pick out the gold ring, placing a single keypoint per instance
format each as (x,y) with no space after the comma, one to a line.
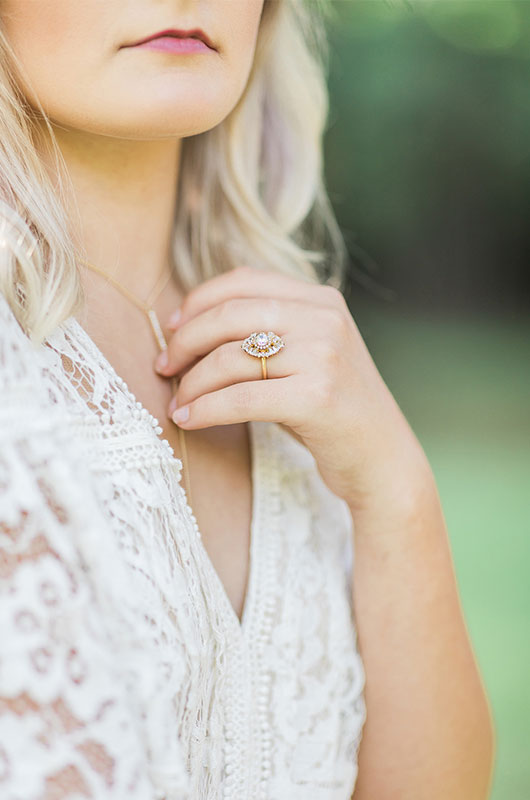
(263,345)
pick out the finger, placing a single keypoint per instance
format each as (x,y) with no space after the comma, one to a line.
(269,400)
(232,320)
(253,282)
(229,364)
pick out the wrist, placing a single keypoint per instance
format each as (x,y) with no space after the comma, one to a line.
(398,489)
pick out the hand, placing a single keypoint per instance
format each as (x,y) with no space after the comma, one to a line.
(322,386)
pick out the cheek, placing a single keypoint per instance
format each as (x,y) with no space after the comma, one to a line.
(49,38)
(242,19)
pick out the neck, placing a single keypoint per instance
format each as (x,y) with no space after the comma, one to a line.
(121,198)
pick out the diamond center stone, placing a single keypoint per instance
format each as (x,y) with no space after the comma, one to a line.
(262,340)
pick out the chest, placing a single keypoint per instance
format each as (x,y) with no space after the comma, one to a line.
(218,467)
(284,685)
(219,471)
(219,457)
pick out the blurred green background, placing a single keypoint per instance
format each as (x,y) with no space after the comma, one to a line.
(428,169)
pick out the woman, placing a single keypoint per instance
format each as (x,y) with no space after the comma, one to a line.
(162,227)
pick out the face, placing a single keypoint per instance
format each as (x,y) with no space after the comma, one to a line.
(84,62)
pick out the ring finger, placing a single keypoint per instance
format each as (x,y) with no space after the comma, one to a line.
(230,320)
(228,364)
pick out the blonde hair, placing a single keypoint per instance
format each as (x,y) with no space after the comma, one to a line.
(250,191)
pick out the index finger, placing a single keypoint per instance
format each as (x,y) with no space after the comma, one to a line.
(247,281)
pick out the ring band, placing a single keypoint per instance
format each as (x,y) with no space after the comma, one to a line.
(263,345)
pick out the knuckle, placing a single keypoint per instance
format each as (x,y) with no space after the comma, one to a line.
(302,413)
(191,302)
(334,295)
(186,306)
(325,351)
(182,391)
(270,308)
(324,390)
(224,358)
(242,270)
(176,345)
(227,309)
(335,320)
(243,399)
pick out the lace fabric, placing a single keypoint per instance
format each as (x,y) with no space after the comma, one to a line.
(124,670)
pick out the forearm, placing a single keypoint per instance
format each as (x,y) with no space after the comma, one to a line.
(428,733)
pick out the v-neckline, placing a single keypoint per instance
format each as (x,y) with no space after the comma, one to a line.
(258,502)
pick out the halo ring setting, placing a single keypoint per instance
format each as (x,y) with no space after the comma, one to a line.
(262,345)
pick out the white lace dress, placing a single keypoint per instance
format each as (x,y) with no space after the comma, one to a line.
(124,670)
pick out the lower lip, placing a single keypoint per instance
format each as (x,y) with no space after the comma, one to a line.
(172,44)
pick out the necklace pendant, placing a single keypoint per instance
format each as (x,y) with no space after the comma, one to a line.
(157,329)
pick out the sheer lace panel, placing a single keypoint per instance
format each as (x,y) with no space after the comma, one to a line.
(124,672)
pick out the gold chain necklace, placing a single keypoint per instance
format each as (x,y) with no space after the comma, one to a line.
(147,307)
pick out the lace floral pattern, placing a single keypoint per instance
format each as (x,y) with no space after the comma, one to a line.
(124,670)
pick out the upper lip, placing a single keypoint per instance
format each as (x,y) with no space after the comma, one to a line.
(194,33)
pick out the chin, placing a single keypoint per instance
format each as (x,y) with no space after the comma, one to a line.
(160,114)
(153,125)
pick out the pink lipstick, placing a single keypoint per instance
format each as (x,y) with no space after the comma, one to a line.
(173,40)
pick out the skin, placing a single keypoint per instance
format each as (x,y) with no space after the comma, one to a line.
(429,732)
(119,116)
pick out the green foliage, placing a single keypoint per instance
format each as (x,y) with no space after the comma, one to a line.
(428,168)
(463,384)
(428,145)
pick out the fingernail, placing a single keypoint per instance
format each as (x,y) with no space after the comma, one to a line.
(175,318)
(161,361)
(181,414)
